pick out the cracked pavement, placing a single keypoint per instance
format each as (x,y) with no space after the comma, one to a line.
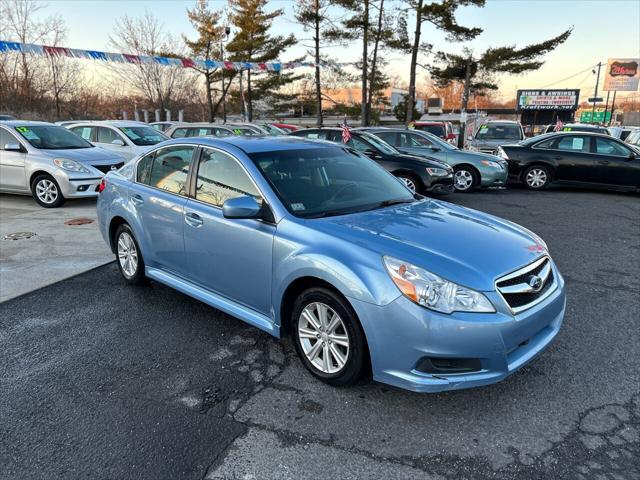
(101,380)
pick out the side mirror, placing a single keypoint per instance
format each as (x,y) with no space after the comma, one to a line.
(632,156)
(118,142)
(241,207)
(13,147)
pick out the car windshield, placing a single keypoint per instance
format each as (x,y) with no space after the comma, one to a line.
(143,136)
(323,182)
(52,137)
(499,132)
(380,144)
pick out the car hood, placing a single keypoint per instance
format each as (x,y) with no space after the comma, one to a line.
(428,162)
(86,155)
(463,245)
(471,156)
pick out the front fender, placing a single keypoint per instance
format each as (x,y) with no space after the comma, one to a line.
(352,269)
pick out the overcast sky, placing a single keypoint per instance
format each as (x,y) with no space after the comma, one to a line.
(603,29)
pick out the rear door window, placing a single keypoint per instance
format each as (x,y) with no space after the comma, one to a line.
(573,143)
(170,169)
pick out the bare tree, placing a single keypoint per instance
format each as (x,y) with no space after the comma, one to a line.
(162,86)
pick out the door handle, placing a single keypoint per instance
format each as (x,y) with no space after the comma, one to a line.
(557,158)
(603,162)
(193,219)
(137,199)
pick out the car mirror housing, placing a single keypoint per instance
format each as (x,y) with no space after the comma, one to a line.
(241,207)
(13,147)
(118,142)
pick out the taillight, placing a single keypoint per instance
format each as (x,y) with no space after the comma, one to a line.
(102,186)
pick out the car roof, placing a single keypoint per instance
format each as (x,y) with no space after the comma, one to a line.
(198,124)
(112,123)
(511,122)
(19,123)
(255,144)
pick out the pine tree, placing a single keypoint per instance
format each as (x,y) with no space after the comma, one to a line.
(253,43)
(208,45)
(312,15)
(441,15)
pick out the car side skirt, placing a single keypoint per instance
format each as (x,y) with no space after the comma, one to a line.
(214,300)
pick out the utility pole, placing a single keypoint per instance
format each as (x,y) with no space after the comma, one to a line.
(595,93)
(463,108)
(613,106)
(227,31)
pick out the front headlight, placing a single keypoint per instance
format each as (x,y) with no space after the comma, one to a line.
(502,154)
(437,172)
(431,291)
(490,163)
(70,165)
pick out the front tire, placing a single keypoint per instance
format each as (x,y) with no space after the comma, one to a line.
(46,191)
(536,177)
(465,179)
(328,337)
(410,182)
(129,257)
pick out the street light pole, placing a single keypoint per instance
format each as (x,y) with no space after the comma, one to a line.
(595,94)
(227,30)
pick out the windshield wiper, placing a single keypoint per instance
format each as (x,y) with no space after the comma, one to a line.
(396,201)
(328,213)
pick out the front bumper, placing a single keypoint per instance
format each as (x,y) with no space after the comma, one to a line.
(80,185)
(439,185)
(401,334)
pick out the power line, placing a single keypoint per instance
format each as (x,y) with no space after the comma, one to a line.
(571,76)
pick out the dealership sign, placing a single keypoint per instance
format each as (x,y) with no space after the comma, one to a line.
(623,74)
(547,100)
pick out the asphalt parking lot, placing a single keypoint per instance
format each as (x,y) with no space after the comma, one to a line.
(101,380)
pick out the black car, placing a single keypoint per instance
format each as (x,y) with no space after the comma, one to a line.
(573,158)
(578,127)
(419,174)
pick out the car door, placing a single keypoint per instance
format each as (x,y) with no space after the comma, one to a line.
(12,164)
(105,136)
(232,257)
(159,197)
(616,164)
(572,158)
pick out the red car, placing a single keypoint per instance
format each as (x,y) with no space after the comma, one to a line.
(287,127)
(443,130)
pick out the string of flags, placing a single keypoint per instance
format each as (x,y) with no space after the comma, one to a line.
(44,50)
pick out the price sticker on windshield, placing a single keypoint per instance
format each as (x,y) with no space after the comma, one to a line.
(296,207)
(27,133)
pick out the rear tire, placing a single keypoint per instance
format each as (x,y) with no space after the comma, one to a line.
(128,256)
(465,179)
(46,191)
(536,177)
(328,337)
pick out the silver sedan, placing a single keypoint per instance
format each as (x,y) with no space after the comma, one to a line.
(50,163)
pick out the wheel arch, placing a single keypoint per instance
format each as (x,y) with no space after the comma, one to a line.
(470,166)
(114,224)
(36,173)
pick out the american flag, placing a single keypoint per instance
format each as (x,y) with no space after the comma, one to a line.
(346,133)
(558,126)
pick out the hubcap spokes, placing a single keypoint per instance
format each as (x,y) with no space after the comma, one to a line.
(536,178)
(47,191)
(127,254)
(463,179)
(323,337)
(409,183)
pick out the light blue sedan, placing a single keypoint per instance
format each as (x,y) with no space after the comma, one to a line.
(317,241)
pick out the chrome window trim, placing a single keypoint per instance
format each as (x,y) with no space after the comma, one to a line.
(522,271)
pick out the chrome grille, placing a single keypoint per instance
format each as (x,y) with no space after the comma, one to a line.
(492,151)
(527,286)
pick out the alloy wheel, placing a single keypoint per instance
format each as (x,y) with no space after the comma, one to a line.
(47,191)
(536,178)
(323,337)
(409,183)
(463,180)
(127,254)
